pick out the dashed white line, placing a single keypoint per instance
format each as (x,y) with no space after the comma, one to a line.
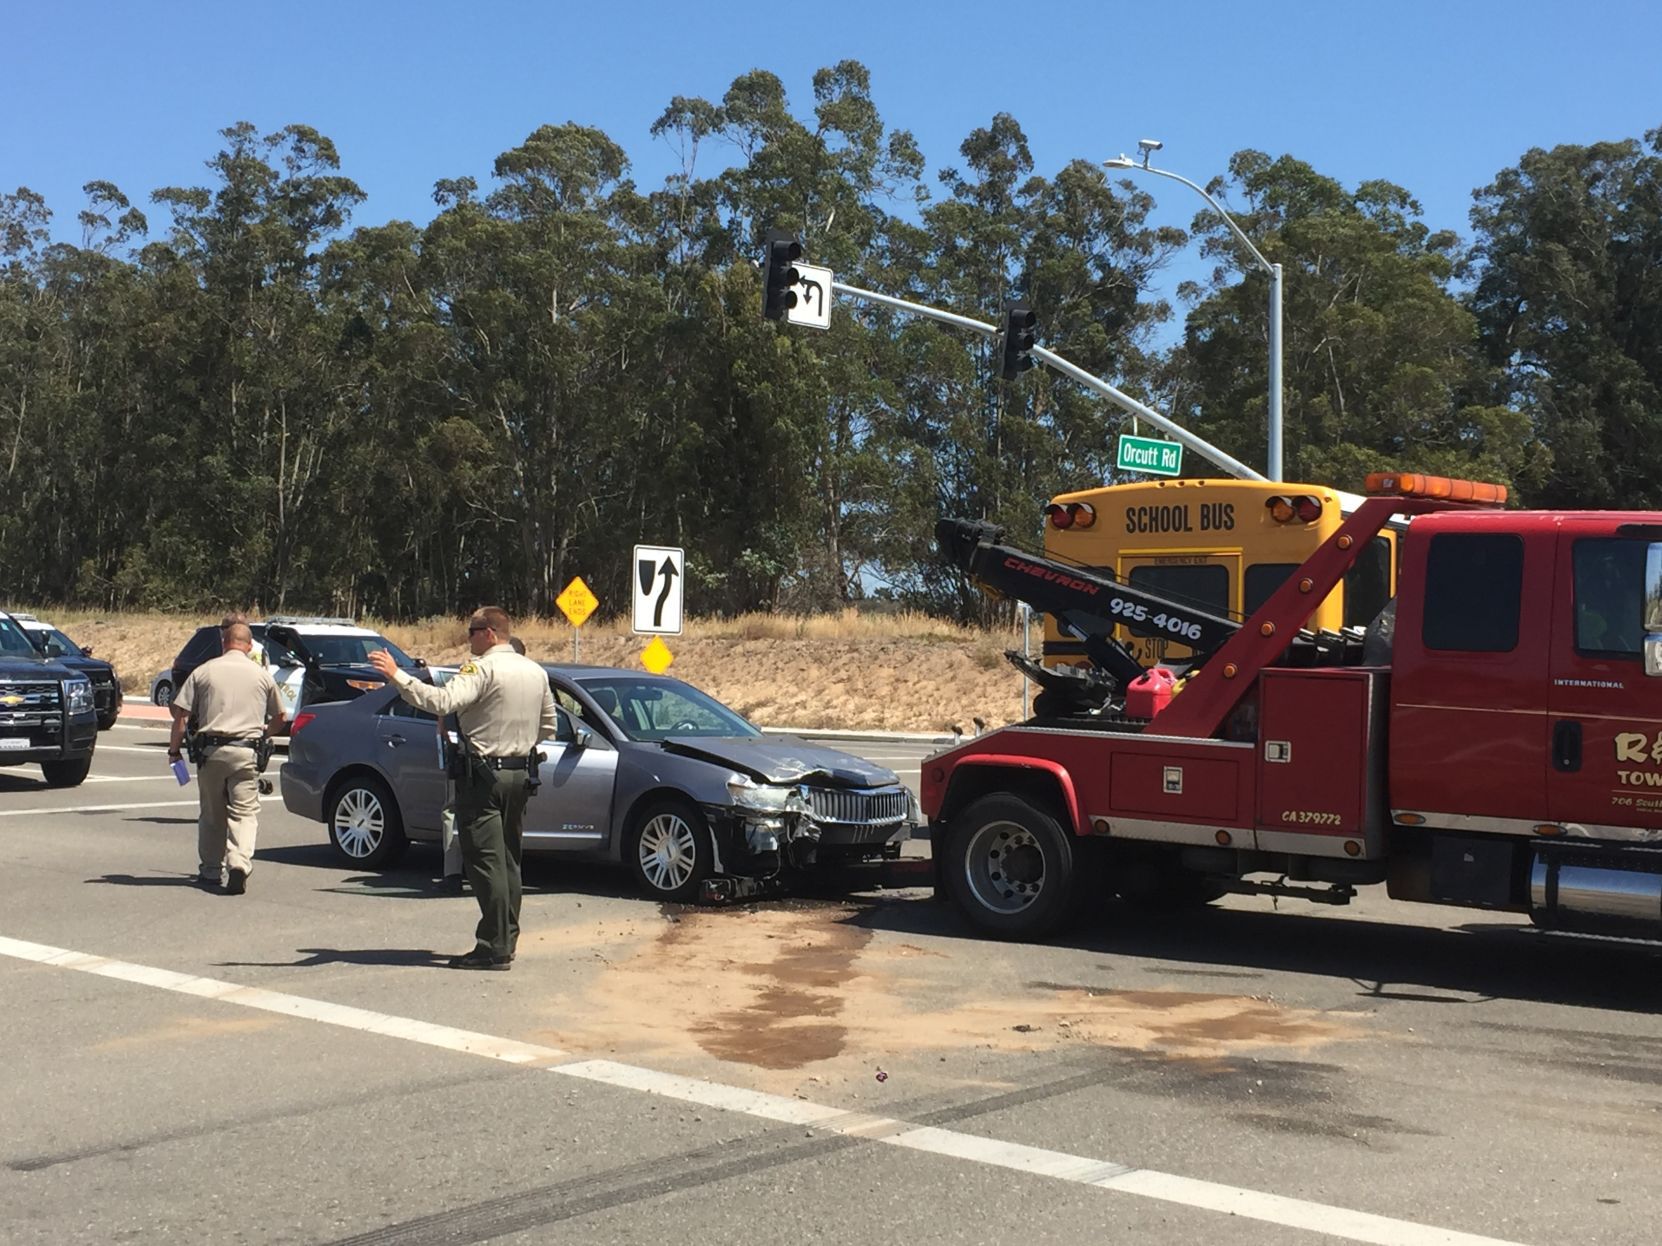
(1324,1218)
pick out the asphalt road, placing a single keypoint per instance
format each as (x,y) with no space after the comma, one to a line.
(294,1065)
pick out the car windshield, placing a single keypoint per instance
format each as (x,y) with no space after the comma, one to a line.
(59,645)
(13,643)
(352,650)
(654,709)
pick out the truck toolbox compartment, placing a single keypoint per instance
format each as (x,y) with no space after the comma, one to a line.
(1320,738)
(1182,785)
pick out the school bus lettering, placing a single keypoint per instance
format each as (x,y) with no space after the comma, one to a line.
(1217,516)
(1178,517)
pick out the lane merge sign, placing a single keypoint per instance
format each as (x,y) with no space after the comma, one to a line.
(660,572)
(1148,454)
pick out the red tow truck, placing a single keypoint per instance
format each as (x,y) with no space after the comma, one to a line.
(1492,740)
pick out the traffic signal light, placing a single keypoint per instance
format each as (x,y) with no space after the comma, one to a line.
(777,295)
(1019,322)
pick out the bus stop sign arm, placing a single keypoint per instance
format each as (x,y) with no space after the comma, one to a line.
(1095,384)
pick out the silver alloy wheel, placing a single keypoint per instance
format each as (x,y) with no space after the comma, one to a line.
(360,822)
(668,852)
(163,694)
(1004,867)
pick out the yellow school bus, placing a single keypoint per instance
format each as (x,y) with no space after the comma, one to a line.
(1223,544)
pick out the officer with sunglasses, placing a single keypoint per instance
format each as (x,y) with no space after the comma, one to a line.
(505,707)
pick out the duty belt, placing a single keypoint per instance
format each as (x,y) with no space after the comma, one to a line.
(219,741)
(505,763)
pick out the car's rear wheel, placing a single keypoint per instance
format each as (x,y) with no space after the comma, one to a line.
(162,693)
(364,822)
(670,850)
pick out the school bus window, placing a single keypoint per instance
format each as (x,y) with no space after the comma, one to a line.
(1368,583)
(1261,581)
(1202,585)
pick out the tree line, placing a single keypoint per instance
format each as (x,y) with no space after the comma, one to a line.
(236,394)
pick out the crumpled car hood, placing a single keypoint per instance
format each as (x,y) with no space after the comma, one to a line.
(784,759)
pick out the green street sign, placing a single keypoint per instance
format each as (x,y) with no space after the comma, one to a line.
(1147,454)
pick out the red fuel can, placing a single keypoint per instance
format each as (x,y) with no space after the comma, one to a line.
(1148,694)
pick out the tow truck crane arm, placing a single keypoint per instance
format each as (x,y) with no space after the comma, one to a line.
(1085,604)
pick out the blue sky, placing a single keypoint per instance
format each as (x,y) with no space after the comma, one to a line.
(1435,96)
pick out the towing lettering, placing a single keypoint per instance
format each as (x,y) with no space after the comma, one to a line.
(1057,577)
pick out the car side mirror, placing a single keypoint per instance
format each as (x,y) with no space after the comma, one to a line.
(86,651)
(581,738)
(1653,654)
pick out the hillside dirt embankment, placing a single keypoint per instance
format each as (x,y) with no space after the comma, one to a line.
(877,672)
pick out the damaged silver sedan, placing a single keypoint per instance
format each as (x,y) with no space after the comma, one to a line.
(647,771)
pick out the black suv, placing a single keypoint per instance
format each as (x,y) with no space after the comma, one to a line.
(47,715)
(52,643)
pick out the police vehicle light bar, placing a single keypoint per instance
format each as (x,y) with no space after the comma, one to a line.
(1415,485)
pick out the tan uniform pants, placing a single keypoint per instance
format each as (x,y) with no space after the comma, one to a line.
(229,799)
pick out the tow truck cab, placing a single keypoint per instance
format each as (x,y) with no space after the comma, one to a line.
(1499,746)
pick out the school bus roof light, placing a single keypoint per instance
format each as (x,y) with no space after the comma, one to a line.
(1417,485)
(1284,508)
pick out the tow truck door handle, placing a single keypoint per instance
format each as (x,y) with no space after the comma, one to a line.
(1566,746)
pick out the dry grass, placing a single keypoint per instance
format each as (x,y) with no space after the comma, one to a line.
(894,672)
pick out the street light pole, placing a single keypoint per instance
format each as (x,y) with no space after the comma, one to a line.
(1149,147)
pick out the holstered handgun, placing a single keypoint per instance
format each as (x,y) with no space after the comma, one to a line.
(194,748)
(533,775)
(262,753)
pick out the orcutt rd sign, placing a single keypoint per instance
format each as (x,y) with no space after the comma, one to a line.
(1147,454)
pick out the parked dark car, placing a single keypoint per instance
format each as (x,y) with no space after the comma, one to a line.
(52,643)
(646,771)
(47,715)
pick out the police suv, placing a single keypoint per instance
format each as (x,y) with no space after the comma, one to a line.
(47,713)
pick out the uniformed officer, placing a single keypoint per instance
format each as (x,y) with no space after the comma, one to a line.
(233,702)
(448,835)
(505,707)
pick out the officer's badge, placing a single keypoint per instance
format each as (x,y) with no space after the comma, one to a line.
(469,668)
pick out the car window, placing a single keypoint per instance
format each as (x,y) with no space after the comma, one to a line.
(59,645)
(353,650)
(398,707)
(658,708)
(13,643)
(575,708)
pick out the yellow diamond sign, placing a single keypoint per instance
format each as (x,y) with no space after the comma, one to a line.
(656,657)
(577,601)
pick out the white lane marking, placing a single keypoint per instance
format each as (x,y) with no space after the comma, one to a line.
(1324,1218)
(130,748)
(153,804)
(129,778)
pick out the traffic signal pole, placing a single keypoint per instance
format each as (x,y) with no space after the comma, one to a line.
(1073,372)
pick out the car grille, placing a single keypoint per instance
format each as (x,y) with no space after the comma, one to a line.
(30,707)
(872,807)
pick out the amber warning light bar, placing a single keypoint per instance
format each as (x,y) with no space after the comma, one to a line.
(1414,485)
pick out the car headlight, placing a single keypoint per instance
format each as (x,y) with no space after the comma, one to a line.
(746,793)
(78,695)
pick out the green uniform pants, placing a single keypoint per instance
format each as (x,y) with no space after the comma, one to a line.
(490,815)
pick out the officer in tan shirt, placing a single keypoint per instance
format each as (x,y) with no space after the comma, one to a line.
(505,707)
(233,703)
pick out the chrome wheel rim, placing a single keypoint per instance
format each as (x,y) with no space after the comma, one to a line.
(164,695)
(1004,867)
(360,822)
(668,852)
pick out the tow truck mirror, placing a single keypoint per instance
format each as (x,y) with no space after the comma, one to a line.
(1653,609)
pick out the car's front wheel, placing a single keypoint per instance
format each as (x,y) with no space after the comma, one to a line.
(364,823)
(66,773)
(670,850)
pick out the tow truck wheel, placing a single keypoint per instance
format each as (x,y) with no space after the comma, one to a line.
(66,773)
(1012,868)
